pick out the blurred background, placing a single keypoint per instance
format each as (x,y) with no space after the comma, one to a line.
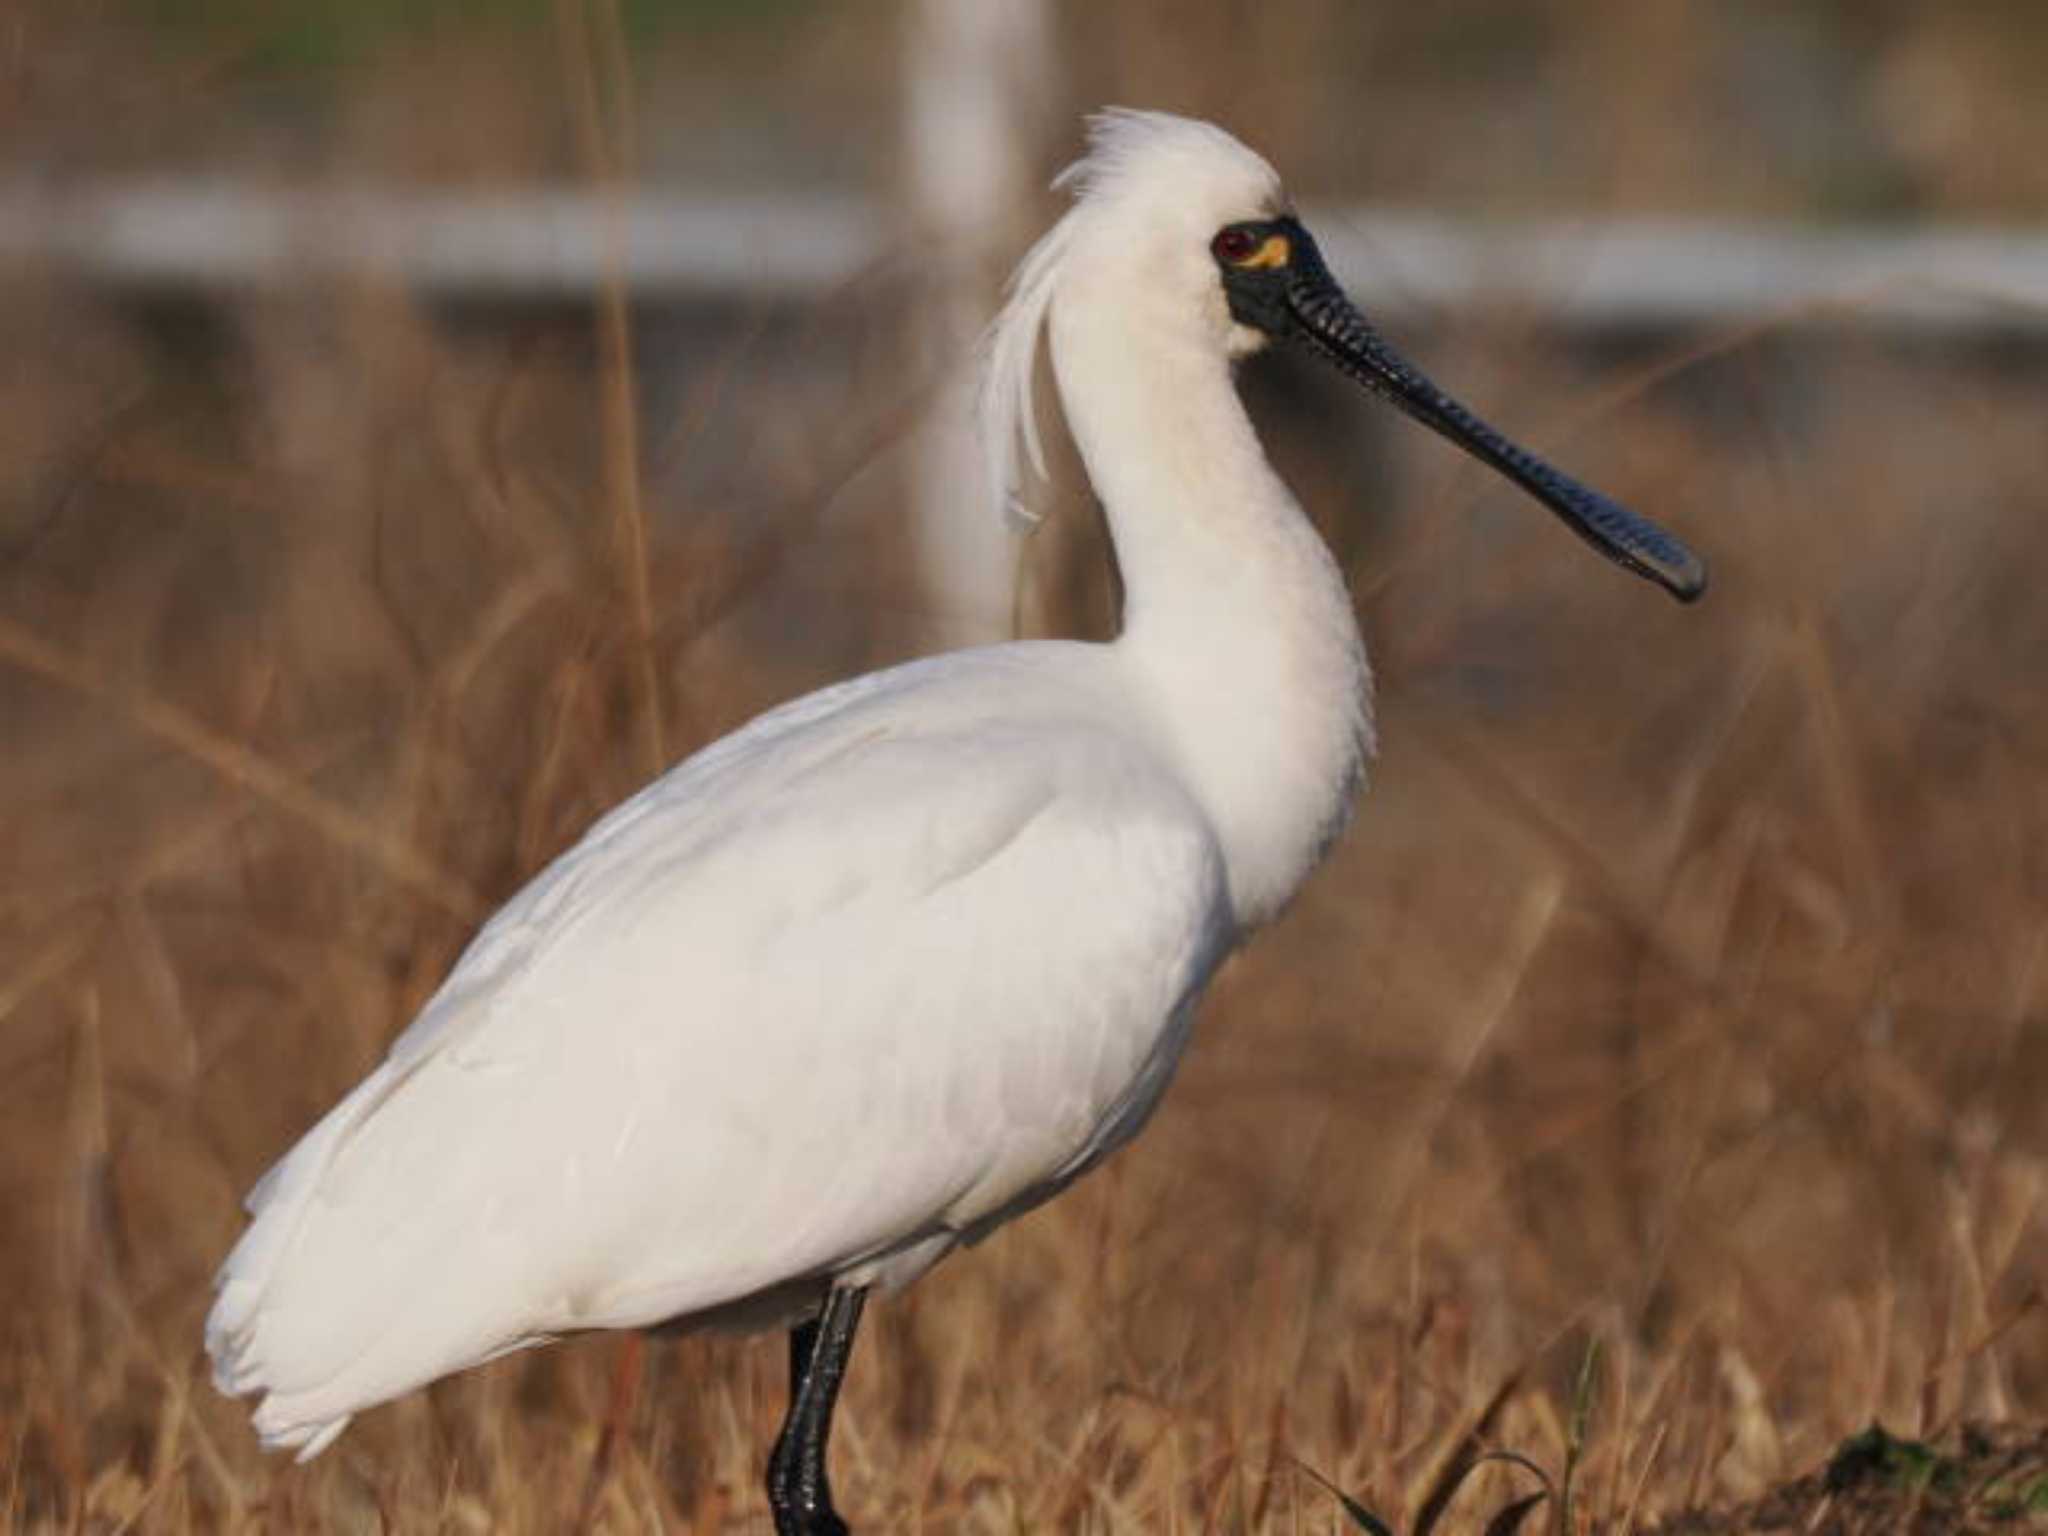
(420,423)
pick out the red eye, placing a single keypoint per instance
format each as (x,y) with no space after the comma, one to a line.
(1234,244)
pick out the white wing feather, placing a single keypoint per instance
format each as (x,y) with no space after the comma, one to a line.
(769,1021)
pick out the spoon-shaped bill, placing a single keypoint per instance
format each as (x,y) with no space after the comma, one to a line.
(1327,321)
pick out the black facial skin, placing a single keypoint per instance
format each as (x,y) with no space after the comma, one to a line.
(1296,300)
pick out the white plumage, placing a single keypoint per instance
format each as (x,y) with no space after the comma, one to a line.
(899,960)
(891,963)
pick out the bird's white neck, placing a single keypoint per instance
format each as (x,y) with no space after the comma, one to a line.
(1236,620)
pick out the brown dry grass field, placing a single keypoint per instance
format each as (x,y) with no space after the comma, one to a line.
(1655,1080)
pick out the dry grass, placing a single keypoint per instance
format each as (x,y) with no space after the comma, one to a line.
(1679,1000)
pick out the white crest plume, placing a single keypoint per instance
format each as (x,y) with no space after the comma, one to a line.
(1006,416)
(1125,148)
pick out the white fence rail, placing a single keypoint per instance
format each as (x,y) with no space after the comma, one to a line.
(553,244)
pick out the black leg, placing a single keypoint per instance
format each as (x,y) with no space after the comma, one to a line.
(803,1342)
(798,1493)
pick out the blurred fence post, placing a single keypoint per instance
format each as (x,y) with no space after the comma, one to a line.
(974,76)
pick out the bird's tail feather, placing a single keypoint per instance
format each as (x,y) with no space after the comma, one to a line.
(278,1205)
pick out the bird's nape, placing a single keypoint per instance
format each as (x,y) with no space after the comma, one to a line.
(1276,282)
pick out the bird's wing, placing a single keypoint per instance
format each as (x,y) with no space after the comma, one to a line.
(870,975)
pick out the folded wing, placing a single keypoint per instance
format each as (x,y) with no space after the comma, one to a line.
(777,1018)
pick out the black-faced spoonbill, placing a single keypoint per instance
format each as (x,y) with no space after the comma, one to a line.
(900,960)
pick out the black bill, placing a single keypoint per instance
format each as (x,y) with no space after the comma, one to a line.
(1300,300)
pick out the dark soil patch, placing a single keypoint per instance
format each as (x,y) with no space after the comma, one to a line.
(1980,1478)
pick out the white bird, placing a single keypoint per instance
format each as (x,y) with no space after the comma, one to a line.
(901,959)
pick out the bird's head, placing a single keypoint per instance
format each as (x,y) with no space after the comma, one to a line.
(1179,217)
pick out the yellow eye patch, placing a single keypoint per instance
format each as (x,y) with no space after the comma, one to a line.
(1274,251)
